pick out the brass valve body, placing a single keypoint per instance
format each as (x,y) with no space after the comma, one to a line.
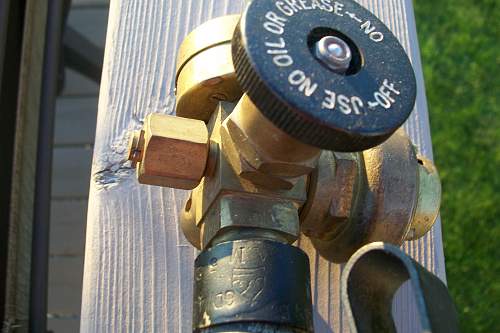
(263,154)
(225,200)
(205,72)
(386,193)
(255,181)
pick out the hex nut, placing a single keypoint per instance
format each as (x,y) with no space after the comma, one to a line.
(332,190)
(253,214)
(346,176)
(262,162)
(174,152)
(275,153)
(243,169)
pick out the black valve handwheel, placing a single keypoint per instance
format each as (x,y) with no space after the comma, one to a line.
(275,53)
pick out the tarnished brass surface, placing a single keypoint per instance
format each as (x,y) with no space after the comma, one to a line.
(259,150)
(205,71)
(244,170)
(428,200)
(238,211)
(255,188)
(347,200)
(216,205)
(170,151)
(319,197)
(347,186)
(392,183)
(332,190)
(374,196)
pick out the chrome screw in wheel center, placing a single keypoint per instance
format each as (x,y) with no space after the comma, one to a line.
(334,52)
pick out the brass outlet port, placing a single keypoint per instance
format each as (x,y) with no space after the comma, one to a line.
(170,151)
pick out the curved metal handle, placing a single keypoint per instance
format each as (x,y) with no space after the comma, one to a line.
(371,278)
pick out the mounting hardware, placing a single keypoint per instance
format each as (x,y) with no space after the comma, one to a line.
(334,52)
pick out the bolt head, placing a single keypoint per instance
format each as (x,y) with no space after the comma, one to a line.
(334,52)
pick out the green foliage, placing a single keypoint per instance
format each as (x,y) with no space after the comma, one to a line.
(459,41)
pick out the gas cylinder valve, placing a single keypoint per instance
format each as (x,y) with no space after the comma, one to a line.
(288,122)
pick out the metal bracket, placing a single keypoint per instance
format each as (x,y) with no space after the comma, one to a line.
(370,280)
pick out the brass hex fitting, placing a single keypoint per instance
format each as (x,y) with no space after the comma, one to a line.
(243,169)
(229,212)
(333,187)
(264,151)
(382,194)
(170,151)
(225,201)
(346,185)
(205,71)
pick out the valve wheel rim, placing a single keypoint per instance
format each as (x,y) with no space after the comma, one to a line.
(277,69)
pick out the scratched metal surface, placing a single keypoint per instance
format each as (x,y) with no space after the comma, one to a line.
(138,266)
